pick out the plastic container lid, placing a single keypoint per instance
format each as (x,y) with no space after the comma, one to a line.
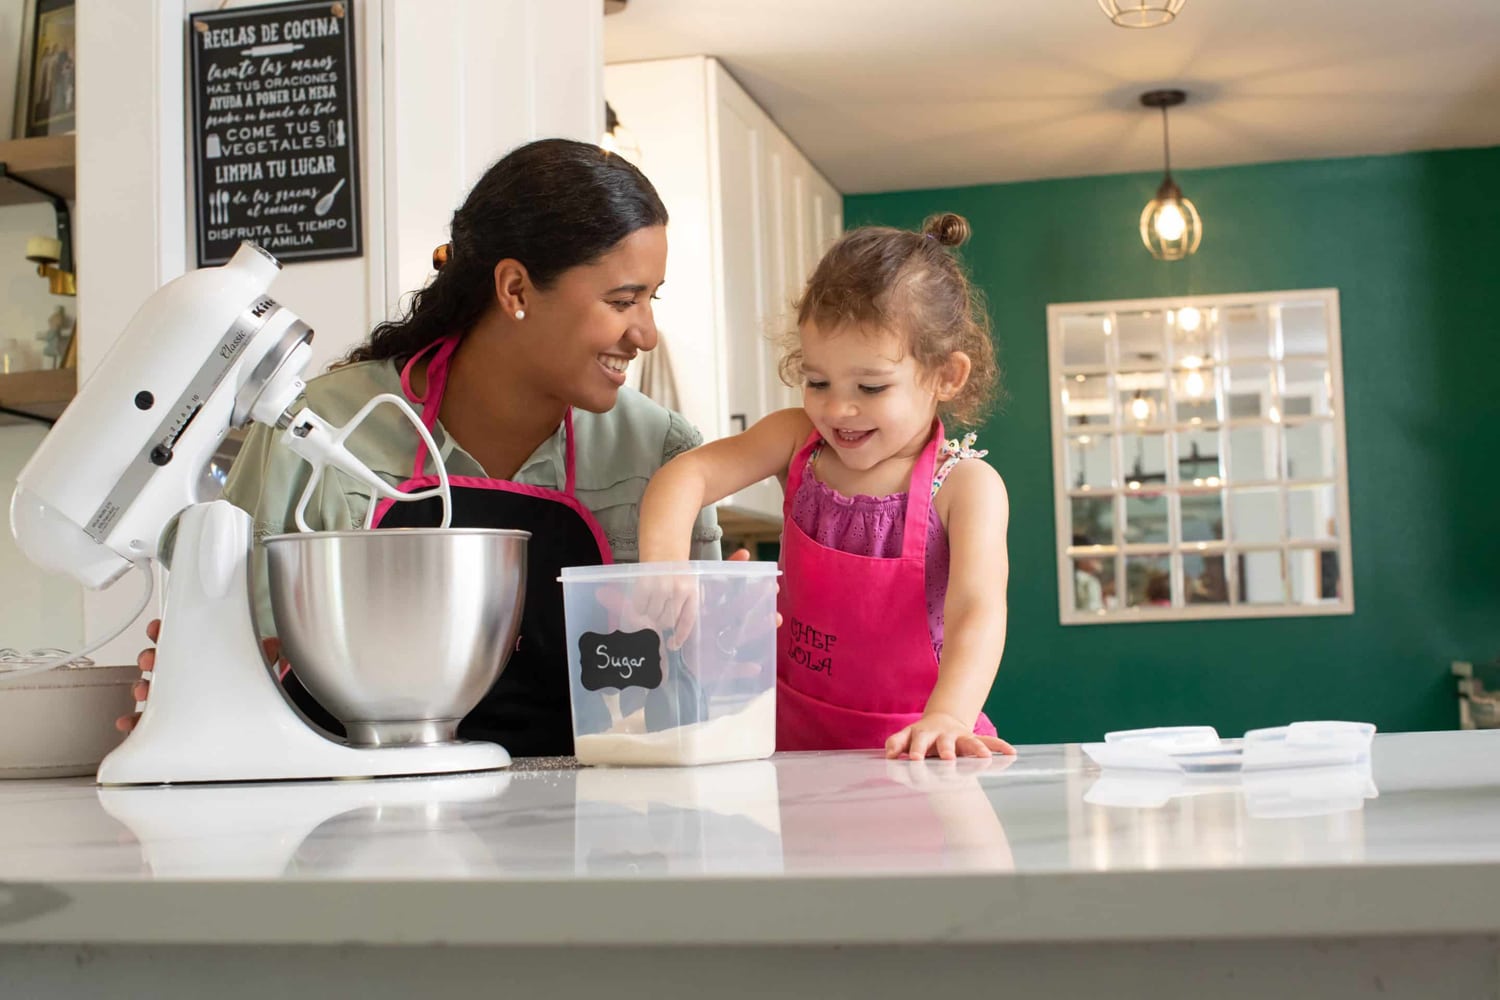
(1198,749)
(1308,744)
(1166,748)
(695,567)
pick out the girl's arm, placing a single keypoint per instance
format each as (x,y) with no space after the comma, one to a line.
(708,474)
(974,618)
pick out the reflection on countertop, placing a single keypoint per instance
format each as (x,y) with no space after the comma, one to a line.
(849,814)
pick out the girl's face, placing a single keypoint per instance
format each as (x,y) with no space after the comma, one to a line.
(581,334)
(866,395)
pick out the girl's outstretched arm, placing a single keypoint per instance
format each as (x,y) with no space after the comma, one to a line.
(974,618)
(708,474)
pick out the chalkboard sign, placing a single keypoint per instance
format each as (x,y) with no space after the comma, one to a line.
(275,136)
(620,660)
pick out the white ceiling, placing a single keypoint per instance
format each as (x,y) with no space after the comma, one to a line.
(895,94)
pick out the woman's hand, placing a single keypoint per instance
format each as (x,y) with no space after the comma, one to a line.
(941,735)
(141,690)
(146,660)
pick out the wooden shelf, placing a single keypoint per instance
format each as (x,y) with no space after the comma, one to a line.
(46,161)
(44,393)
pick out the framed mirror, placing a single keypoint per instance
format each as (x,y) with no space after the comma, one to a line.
(1199,458)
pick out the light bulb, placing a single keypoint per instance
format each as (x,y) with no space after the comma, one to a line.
(1194,384)
(1140,409)
(1189,319)
(1170,225)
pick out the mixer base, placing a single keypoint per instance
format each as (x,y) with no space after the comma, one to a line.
(216,712)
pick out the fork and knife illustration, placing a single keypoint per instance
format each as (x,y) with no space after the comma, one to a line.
(218,208)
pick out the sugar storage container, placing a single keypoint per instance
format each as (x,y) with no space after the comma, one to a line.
(672,663)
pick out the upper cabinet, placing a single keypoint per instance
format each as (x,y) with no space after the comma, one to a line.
(750,217)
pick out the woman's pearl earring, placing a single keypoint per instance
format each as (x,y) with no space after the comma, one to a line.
(520,314)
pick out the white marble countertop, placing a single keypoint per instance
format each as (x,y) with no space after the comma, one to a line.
(808,848)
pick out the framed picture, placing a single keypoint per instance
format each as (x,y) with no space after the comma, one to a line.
(46,93)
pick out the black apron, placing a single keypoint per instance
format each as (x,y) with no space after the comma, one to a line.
(527,709)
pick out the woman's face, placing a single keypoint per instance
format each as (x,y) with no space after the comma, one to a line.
(581,334)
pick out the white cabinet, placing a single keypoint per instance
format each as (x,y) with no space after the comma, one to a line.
(750,216)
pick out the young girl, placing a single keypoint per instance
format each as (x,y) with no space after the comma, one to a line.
(894,536)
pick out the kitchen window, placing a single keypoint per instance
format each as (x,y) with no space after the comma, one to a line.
(1198,458)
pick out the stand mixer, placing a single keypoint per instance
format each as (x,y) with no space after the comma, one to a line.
(208,352)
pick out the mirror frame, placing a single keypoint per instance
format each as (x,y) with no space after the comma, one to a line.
(1164,420)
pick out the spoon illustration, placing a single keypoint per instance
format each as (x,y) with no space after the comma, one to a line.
(326,202)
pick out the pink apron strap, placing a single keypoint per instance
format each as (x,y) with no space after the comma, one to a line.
(437,382)
(411,363)
(432,404)
(568,466)
(919,497)
(798,468)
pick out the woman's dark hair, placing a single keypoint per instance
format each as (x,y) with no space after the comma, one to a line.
(553,205)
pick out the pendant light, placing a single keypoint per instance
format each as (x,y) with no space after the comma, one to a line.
(1141,407)
(1170,226)
(1141,13)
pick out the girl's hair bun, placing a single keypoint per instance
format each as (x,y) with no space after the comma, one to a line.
(948,228)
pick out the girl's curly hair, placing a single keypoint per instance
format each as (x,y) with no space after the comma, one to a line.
(882,278)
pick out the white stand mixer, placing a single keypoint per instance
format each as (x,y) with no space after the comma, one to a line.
(206,353)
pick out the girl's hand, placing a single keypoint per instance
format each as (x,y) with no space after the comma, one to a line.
(146,660)
(668,605)
(941,735)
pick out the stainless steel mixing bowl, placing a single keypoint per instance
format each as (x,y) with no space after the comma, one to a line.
(398,632)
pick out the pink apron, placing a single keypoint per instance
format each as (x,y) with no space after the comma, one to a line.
(854,659)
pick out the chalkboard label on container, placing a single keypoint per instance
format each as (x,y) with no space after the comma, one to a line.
(275,136)
(620,660)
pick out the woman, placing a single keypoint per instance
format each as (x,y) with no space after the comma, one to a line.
(515,356)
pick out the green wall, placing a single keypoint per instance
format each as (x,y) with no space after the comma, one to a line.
(1412,243)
